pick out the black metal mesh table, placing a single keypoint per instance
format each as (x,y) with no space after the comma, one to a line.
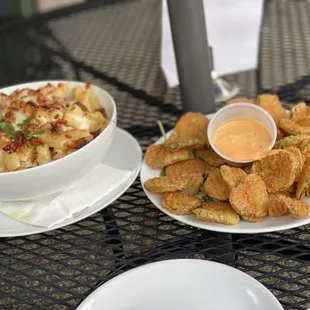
(115,44)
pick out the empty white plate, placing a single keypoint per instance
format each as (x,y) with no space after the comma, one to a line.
(182,284)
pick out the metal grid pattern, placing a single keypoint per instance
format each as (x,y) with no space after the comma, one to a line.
(116,45)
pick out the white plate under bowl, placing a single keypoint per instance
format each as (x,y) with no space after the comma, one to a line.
(270,224)
(123,143)
(182,284)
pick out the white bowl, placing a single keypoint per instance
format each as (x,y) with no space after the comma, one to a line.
(60,174)
(236,110)
(182,284)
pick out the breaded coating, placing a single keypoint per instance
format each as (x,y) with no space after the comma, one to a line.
(232,176)
(303,183)
(290,127)
(276,204)
(194,182)
(304,122)
(180,203)
(277,169)
(175,142)
(305,144)
(210,157)
(193,125)
(253,219)
(298,112)
(241,99)
(158,156)
(291,141)
(249,197)
(186,167)
(165,184)
(215,186)
(272,104)
(300,161)
(217,212)
(297,208)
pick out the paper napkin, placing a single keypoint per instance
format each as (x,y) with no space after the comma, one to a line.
(48,211)
(233,28)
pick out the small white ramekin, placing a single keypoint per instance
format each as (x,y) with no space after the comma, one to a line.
(237,110)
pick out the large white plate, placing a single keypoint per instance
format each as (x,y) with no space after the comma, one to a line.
(124,153)
(182,284)
(268,225)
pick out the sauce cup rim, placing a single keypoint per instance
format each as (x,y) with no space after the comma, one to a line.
(233,106)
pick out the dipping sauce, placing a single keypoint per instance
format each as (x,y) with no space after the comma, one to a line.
(243,138)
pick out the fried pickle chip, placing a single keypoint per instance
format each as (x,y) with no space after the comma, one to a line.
(300,161)
(187,167)
(303,183)
(304,122)
(215,187)
(180,203)
(249,197)
(297,208)
(241,99)
(305,143)
(193,125)
(291,141)
(272,105)
(232,176)
(298,112)
(289,126)
(217,212)
(253,219)
(276,204)
(165,184)
(210,157)
(175,142)
(194,182)
(277,169)
(306,153)
(158,156)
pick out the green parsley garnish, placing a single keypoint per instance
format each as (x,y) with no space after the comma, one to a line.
(162,129)
(10,130)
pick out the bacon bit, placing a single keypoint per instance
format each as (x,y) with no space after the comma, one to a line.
(88,85)
(16,144)
(34,156)
(81,105)
(103,112)
(56,125)
(77,144)
(10,117)
(96,133)
(34,141)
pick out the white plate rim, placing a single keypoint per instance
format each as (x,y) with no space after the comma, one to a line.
(255,228)
(117,193)
(203,263)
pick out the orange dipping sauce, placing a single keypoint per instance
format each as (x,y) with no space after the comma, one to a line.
(243,138)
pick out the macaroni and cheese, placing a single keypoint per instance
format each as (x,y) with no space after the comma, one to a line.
(43,125)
